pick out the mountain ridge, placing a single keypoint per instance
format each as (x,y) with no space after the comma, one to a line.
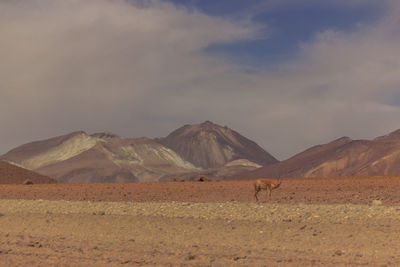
(341,157)
(106,157)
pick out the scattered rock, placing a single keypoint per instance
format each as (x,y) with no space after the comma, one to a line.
(212,259)
(201,178)
(338,253)
(178,179)
(27,181)
(376,202)
(34,244)
(236,258)
(190,257)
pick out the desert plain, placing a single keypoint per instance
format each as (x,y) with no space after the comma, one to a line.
(346,221)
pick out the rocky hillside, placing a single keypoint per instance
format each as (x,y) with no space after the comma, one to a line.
(209,145)
(206,148)
(79,157)
(10,174)
(342,157)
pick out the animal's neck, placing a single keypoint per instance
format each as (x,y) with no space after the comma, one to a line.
(276,185)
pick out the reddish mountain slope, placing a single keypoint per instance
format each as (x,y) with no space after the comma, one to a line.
(342,157)
(10,174)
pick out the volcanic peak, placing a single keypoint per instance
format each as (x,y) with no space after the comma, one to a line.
(209,145)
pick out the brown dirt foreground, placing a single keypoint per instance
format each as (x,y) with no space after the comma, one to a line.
(307,222)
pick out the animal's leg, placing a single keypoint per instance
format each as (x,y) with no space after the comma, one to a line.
(256,193)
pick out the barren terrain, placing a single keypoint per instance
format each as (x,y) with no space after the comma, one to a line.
(307,222)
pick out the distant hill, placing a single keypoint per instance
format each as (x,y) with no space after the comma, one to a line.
(208,145)
(81,158)
(10,174)
(342,157)
(205,148)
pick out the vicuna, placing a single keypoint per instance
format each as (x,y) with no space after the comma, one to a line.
(265,184)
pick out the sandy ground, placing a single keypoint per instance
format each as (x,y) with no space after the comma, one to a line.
(307,222)
(355,190)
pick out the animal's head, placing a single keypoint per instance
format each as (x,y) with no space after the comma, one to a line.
(278,184)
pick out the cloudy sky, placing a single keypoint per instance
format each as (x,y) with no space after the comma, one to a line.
(287,74)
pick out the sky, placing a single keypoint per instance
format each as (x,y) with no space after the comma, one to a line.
(287,74)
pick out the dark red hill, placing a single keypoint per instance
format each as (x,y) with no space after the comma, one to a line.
(10,174)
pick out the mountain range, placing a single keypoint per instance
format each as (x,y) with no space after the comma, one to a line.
(78,157)
(341,157)
(205,149)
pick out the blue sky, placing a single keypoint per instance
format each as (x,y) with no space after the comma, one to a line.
(286,25)
(287,74)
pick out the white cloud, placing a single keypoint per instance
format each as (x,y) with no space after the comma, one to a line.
(140,69)
(103,64)
(341,84)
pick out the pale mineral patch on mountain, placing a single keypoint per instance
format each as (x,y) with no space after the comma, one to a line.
(68,149)
(242,162)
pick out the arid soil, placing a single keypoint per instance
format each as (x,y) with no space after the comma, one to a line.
(330,221)
(354,190)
